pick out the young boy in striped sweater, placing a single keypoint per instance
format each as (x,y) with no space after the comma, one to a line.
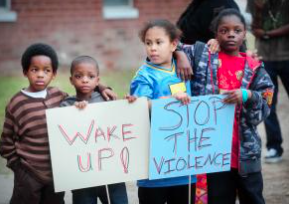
(24,140)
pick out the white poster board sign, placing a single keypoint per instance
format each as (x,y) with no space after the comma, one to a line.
(104,143)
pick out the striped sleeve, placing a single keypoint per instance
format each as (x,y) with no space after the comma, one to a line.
(7,140)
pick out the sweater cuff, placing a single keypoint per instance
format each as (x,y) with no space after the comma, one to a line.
(253,98)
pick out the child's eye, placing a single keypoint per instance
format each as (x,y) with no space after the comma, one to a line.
(223,31)
(47,71)
(34,70)
(77,76)
(148,43)
(238,31)
(92,77)
(159,42)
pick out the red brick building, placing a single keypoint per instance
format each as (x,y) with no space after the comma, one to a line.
(104,29)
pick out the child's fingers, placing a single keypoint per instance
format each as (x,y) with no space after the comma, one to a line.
(81,105)
(183,97)
(233,98)
(106,97)
(229,96)
(213,49)
(187,100)
(127,96)
(228,99)
(109,95)
(182,74)
(188,74)
(113,96)
(84,104)
(226,92)
(185,73)
(130,98)
(179,73)
(213,45)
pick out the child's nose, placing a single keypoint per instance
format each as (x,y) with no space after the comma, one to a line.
(40,74)
(232,34)
(85,79)
(154,46)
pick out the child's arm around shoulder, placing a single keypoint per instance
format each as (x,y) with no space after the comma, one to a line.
(186,54)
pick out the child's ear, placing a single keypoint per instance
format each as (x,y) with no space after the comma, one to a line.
(70,79)
(25,73)
(54,75)
(244,36)
(98,79)
(174,45)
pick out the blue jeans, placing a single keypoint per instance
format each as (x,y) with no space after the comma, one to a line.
(272,126)
(117,194)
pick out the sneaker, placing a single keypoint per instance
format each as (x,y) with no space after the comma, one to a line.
(272,156)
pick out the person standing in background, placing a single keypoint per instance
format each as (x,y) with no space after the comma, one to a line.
(196,20)
(270,26)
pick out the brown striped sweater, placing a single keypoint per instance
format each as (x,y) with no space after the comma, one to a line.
(24,138)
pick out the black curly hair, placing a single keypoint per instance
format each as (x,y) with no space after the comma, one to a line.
(39,49)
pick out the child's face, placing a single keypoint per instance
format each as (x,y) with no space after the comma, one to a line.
(231,34)
(159,47)
(39,73)
(85,79)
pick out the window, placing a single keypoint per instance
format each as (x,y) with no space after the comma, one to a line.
(6,15)
(119,9)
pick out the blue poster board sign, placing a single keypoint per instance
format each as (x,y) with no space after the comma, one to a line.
(190,139)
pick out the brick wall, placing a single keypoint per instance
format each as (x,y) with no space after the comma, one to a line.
(76,27)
